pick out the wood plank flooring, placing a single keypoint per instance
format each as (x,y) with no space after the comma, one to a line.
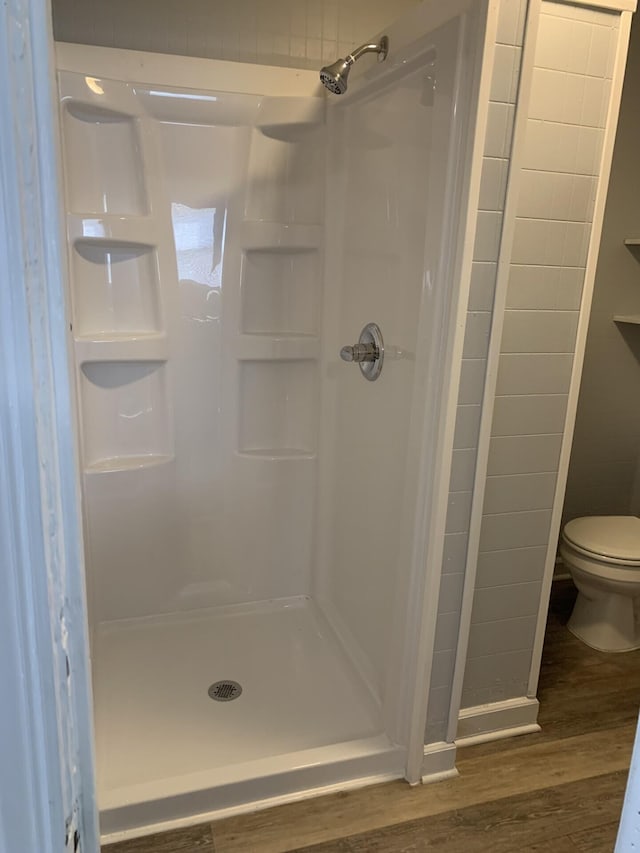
(558,790)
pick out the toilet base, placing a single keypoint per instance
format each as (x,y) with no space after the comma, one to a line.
(605,621)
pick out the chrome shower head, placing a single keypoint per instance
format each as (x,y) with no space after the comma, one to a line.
(334,77)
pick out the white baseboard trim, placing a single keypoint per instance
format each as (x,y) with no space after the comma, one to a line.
(497,720)
(439,762)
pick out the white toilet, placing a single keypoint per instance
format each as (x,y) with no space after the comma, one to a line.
(603,555)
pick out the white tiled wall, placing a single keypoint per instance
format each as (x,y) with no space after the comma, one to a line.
(570,94)
(504,85)
(297,33)
(603,474)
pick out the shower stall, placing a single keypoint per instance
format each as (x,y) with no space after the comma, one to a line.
(263,524)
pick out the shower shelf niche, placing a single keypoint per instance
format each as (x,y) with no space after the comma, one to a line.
(277,417)
(280,291)
(105,148)
(116,290)
(633,244)
(124,414)
(283,175)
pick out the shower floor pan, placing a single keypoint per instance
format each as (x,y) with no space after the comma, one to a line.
(169,755)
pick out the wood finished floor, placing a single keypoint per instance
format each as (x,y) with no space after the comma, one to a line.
(559,790)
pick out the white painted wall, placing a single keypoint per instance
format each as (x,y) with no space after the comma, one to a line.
(296,33)
(603,473)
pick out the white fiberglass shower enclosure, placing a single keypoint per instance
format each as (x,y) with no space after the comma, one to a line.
(255,510)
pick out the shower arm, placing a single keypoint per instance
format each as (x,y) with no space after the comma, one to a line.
(381,49)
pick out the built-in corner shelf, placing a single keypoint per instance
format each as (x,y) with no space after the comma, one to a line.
(286,118)
(129,347)
(633,244)
(95,229)
(633,319)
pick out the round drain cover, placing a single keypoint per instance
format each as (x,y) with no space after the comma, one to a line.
(224,691)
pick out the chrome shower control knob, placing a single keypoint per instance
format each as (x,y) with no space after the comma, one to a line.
(346,353)
(368,353)
(359,353)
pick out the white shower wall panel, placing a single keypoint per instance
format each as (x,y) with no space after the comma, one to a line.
(198,391)
(387,244)
(376,242)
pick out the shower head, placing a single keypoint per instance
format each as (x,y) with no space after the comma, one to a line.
(334,77)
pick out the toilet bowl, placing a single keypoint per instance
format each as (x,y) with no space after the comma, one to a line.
(602,553)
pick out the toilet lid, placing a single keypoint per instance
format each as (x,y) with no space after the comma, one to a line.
(612,537)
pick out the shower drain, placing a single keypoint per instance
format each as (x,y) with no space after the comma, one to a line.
(224,691)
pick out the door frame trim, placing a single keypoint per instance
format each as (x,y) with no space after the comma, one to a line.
(49,774)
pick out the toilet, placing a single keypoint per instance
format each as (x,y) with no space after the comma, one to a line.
(602,554)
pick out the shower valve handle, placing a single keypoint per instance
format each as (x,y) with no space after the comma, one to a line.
(368,353)
(360,353)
